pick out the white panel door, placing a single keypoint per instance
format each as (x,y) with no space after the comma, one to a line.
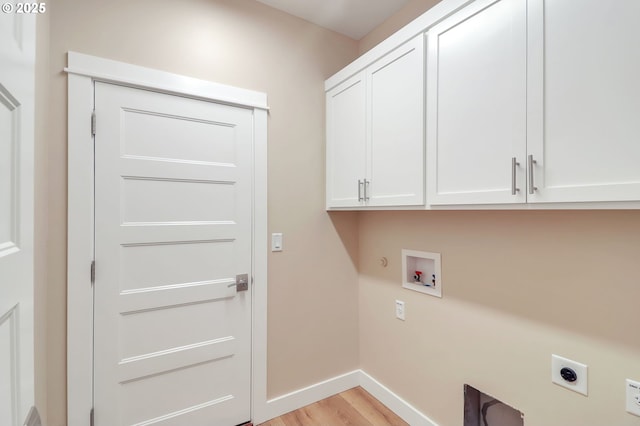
(346,143)
(17,64)
(585,100)
(173,217)
(396,154)
(476,90)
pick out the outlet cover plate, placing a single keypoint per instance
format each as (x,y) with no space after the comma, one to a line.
(633,397)
(558,363)
(400,309)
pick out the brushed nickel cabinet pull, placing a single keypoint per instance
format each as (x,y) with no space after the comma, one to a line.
(366,189)
(514,165)
(532,187)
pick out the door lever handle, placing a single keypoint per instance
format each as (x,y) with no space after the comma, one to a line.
(242,282)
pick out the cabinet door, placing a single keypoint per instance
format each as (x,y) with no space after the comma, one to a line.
(396,131)
(585,100)
(476,107)
(346,143)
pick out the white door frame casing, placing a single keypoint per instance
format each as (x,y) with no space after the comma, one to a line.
(83,71)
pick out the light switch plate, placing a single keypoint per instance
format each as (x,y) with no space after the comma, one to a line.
(633,397)
(276,241)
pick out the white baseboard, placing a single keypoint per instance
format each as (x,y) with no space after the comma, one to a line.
(402,408)
(314,393)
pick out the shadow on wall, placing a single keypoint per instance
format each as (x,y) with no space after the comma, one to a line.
(576,270)
(346,226)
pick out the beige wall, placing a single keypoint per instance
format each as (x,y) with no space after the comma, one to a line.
(312,330)
(517,287)
(411,10)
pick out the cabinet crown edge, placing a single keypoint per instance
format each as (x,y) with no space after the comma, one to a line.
(419,25)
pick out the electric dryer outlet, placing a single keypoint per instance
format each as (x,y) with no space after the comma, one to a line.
(569,374)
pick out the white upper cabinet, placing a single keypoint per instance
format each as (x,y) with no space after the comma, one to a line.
(396,110)
(534,101)
(584,100)
(375,133)
(476,105)
(346,142)
(529,104)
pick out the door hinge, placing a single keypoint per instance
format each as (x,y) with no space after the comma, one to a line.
(93,123)
(91,417)
(93,272)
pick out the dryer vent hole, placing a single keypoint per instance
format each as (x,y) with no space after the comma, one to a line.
(481,409)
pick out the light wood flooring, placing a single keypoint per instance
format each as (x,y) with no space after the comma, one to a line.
(355,407)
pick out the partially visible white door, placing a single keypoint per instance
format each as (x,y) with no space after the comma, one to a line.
(476,112)
(584,100)
(173,217)
(17,64)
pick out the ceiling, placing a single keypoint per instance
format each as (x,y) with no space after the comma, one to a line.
(353,18)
